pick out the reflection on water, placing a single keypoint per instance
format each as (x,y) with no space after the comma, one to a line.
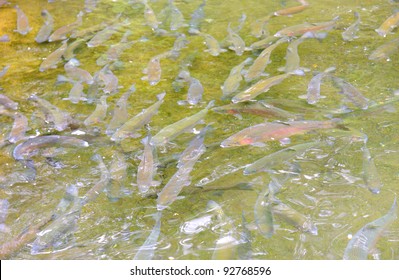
(93,91)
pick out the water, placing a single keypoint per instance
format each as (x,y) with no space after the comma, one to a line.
(326,184)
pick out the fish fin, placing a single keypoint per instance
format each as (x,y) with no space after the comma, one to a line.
(182,102)
(285,141)
(303,96)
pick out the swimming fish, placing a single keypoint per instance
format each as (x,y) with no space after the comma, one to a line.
(30,147)
(147,250)
(259,108)
(212,44)
(232,83)
(258,27)
(196,19)
(19,128)
(291,10)
(100,185)
(351,93)
(120,114)
(108,79)
(370,174)
(263,213)
(23,27)
(62,32)
(293,217)
(177,19)
(238,44)
(350,33)
(153,71)
(71,48)
(147,168)
(114,51)
(313,92)
(181,178)
(118,174)
(388,25)
(260,87)
(59,118)
(300,29)
(8,103)
(77,74)
(100,37)
(384,51)
(46,29)
(173,130)
(195,89)
(267,163)
(99,113)
(270,131)
(54,58)
(150,17)
(137,122)
(367,237)
(263,59)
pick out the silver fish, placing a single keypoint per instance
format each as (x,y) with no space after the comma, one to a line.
(212,44)
(153,71)
(313,92)
(118,173)
(99,113)
(120,114)
(77,74)
(62,32)
(108,79)
(147,168)
(102,36)
(23,27)
(46,29)
(181,178)
(137,122)
(238,44)
(171,131)
(232,83)
(19,128)
(70,50)
(196,18)
(59,118)
(366,238)
(101,184)
(370,173)
(350,33)
(8,103)
(263,213)
(54,58)
(147,250)
(150,17)
(351,93)
(116,50)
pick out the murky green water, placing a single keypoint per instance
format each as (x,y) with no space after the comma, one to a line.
(327,185)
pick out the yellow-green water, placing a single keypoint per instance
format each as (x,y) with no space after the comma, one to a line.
(116,230)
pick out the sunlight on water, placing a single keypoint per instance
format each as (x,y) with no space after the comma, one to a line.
(78,180)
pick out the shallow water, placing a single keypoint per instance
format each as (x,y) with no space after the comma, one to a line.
(326,186)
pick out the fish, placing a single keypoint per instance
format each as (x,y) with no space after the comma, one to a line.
(4,206)
(23,27)
(260,87)
(147,168)
(263,214)
(267,163)
(108,79)
(71,48)
(4,38)
(100,185)
(54,58)
(181,178)
(99,113)
(177,19)
(350,33)
(313,90)
(90,5)
(76,92)
(129,128)
(388,25)
(300,29)
(173,130)
(259,108)
(264,43)
(270,131)
(100,37)
(89,31)
(225,247)
(116,50)
(77,74)
(118,174)
(364,241)
(19,128)
(292,59)
(212,44)
(351,93)
(238,44)
(46,29)
(120,114)
(258,27)
(62,32)
(8,103)
(263,59)
(244,248)
(195,90)
(31,146)
(196,19)
(232,83)
(147,250)
(291,10)
(293,217)
(370,174)
(150,17)
(63,223)
(59,118)
(384,51)
(153,71)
